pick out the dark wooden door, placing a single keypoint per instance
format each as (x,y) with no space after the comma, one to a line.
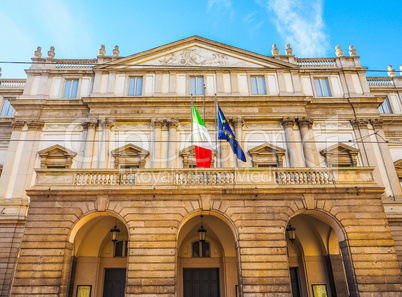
(294,278)
(115,282)
(201,282)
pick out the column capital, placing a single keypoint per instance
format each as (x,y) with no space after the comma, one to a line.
(157,123)
(359,123)
(90,123)
(17,124)
(288,122)
(108,123)
(238,122)
(35,125)
(173,123)
(305,122)
(377,123)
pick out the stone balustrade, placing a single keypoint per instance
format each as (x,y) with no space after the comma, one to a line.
(75,64)
(215,177)
(316,62)
(380,82)
(12,83)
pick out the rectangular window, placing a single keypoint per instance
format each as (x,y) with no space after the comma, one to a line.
(70,88)
(7,110)
(197,85)
(322,87)
(385,107)
(258,85)
(135,86)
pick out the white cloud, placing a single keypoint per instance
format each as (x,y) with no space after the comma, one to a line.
(226,4)
(300,23)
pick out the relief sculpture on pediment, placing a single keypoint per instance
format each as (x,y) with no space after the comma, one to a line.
(193,57)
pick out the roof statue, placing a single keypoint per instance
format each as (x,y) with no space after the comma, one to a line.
(102,51)
(50,53)
(339,51)
(289,50)
(38,52)
(352,51)
(275,50)
(116,51)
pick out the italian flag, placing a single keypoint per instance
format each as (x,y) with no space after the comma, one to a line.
(202,141)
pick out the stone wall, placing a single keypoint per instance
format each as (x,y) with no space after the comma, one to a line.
(259,220)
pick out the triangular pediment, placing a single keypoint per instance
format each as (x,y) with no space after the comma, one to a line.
(197,52)
(130,150)
(398,164)
(266,148)
(56,150)
(339,149)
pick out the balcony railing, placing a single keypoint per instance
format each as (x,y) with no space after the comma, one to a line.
(12,83)
(316,62)
(380,82)
(214,177)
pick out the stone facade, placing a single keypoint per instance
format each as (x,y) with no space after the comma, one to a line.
(98,143)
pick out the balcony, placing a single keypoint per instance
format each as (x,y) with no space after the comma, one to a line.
(214,178)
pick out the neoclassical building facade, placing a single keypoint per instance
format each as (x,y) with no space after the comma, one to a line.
(91,149)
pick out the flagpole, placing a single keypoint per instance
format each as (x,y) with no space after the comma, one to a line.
(216,132)
(191,135)
(203,104)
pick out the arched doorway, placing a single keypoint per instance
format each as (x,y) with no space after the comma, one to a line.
(319,263)
(98,264)
(206,268)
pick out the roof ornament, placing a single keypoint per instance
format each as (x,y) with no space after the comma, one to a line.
(289,50)
(391,71)
(339,51)
(38,52)
(102,51)
(116,51)
(0,72)
(400,67)
(50,53)
(352,51)
(275,50)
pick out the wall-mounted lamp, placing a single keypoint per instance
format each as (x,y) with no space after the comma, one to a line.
(202,233)
(114,233)
(291,233)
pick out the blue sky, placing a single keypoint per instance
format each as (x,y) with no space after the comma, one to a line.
(77,28)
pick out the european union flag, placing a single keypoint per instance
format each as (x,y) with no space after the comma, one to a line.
(226,133)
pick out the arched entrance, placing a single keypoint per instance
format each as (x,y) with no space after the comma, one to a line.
(206,268)
(319,260)
(98,264)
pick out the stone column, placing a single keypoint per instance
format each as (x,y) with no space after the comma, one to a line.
(173,156)
(288,123)
(307,137)
(31,150)
(387,159)
(238,123)
(157,125)
(105,144)
(366,148)
(164,144)
(10,162)
(91,125)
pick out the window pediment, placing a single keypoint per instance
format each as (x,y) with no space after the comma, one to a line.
(398,168)
(340,154)
(56,156)
(129,156)
(267,155)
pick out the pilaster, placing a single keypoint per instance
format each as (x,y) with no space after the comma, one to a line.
(307,136)
(288,123)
